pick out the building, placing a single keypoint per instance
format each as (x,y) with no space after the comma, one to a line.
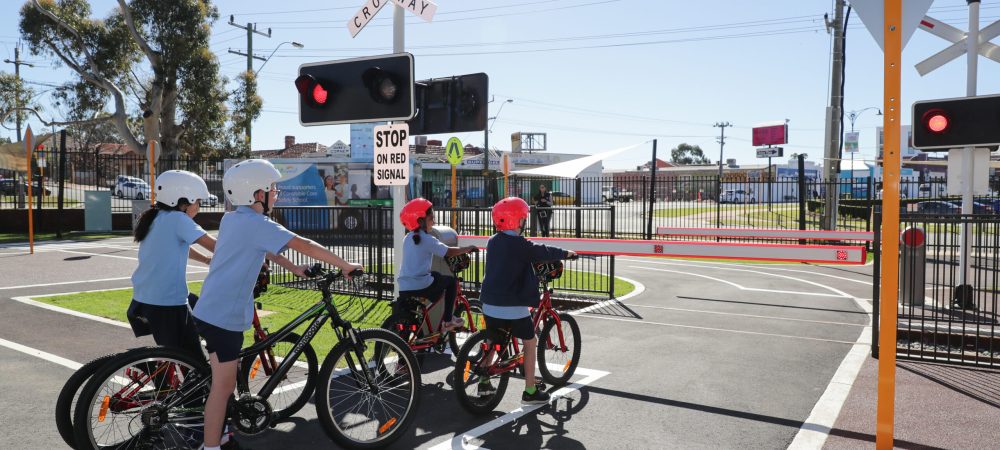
(293,150)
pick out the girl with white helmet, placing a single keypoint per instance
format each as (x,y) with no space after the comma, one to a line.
(165,233)
(225,309)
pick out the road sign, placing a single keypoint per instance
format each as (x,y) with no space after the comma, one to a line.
(392,155)
(425,9)
(872,14)
(455,151)
(364,15)
(851,141)
(958,47)
(770,152)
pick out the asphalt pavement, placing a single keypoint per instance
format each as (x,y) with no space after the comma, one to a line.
(708,355)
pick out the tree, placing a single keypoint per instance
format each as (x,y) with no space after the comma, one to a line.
(154,51)
(246,107)
(13,94)
(687,154)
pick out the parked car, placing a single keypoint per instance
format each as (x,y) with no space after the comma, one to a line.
(924,190)
(122,179)
(938,207)
(737,196)
(212,200)
(137,190)
(611,194)
(9,187)
(562,198)
(991,202)
(977,207)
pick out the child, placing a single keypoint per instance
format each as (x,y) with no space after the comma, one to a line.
(510,288)
(419,247)
(225,309)
(165,233)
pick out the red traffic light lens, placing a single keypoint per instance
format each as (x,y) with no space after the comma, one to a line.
(319,95)
(936,121)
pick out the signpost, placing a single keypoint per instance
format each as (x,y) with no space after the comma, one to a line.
(770,152)
(153,152)
(455,153)
(505,164)
(28,138)
(392,155)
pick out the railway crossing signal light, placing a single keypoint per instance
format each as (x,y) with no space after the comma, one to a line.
(955,123)
(369,89)
(451,104)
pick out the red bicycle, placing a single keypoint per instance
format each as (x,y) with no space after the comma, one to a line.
(418,319)
(558,351)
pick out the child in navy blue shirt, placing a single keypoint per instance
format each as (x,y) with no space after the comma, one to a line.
(510,288)
(419,249)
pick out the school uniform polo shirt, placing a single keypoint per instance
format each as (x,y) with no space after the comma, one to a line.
(245,238)
(415,271)
(160,279)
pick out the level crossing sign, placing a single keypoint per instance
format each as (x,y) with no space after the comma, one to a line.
(392,154)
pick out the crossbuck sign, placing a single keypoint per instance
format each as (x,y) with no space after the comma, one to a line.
(425,9)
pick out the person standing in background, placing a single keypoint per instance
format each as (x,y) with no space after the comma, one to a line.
(543,203)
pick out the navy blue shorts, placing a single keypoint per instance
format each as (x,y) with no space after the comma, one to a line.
(522,328)
(224,343)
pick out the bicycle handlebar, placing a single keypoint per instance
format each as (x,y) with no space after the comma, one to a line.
(317,270)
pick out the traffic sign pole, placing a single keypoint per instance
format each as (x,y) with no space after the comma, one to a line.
(28,138)
(889,294)
(972,58)
(455,153)
(398,195)
(152,173)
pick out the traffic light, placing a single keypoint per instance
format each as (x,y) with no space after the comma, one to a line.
(956,123)
(369,89)
(451,105)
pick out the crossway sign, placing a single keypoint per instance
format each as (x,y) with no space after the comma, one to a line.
(425,9)
(392,155)
(958,47)
(455,151)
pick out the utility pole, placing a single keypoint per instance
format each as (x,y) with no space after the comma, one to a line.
(251,28)
(722,144)
(18,62)
(834,117)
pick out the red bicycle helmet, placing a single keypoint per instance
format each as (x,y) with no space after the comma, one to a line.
(507,213)
(413,211)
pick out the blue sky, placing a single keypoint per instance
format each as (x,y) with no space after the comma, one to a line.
(595,74)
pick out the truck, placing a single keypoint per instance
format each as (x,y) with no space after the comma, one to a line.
(610,194)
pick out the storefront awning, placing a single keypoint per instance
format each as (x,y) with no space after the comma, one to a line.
(573,167)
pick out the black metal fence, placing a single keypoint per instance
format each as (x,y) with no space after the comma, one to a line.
(364,235)
(938,318)
(71,175)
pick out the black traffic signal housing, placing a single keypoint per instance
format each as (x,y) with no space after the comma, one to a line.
(451,104)
(957,122)
(368,89)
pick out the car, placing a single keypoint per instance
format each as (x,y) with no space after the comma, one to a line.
(611,194)
(737,196)
(938,207)
(977,207)
(562,198)
(122,179)
(212,200)
(925,190)
(132,189)
(8,186)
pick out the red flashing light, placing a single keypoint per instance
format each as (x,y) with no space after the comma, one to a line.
(913,237)
(936,121)
(319,94)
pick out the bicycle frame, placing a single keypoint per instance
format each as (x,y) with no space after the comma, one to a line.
(433,339)
(538,314)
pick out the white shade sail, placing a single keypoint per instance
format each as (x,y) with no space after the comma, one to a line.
(573,167)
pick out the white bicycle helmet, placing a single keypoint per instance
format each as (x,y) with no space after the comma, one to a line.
(247,177)
(173,185)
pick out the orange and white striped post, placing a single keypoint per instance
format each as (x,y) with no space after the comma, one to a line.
(885,409)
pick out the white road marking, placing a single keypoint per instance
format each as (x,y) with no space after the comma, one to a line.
(701,311)
(639,289)
(744,288)
(29,301)
(694,327)
(760,267)
(40,354)
(462,440)
(200,270)
(734,269)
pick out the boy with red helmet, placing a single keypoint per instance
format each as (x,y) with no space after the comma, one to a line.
(510,287)
(419,247)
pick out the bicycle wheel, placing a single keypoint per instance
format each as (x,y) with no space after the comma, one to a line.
(356,415)
(474,321)
(294,390)
(69,394)
(125,403)
(557,360)
(468,375)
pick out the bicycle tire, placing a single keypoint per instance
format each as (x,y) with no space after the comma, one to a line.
(93,393)
(470,315)
(280,411)
(548,351)
(380,342)
(69,393)
(465,377)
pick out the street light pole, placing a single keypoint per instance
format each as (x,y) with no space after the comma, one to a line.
(852,116)
(294,44)
(486,141)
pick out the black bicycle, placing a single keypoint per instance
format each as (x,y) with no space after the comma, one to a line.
(366,397)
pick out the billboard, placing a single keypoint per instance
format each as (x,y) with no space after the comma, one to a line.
(774,133)
(320,184)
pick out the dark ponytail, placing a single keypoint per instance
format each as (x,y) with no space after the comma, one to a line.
(147,217)
(416,236)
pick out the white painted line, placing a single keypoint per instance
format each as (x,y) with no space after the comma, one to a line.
(200,270)
(462,440)
(740,287)
(713,265)
(816,428)
(693,327)
(40,354)
(767,233)
(289,387)
(639,289)
(701,311)
(29,301)
(754,271)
